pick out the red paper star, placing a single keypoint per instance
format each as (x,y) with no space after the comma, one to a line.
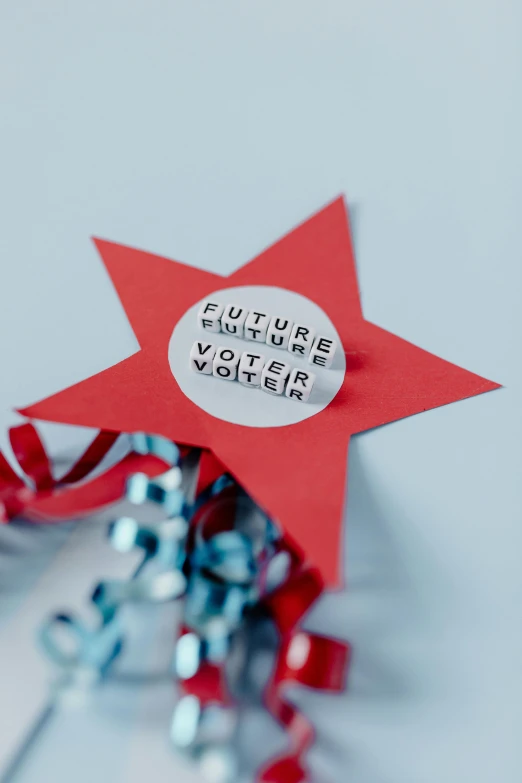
(299,472)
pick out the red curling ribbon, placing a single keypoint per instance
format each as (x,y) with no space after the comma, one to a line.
(76,501)
(51,500)
(208,684)
(289,602)
(92,457)
(313,661)
(14,494)
(303,658)
(31,455)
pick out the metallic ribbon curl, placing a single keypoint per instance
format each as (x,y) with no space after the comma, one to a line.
(218,550)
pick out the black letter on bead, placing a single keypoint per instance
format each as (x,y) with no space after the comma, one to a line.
(273,367)
(327,342)
(296,393)
(266,383)
(301,376)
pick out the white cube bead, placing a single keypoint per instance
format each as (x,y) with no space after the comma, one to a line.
(233,319)
(274,375)
(279,330)
(300,385)
(323,352)
(201,357)
(301,340)
(250,368)
(256,326)
(225,363)
(209,316)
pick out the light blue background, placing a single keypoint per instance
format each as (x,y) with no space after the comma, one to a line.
(203,131)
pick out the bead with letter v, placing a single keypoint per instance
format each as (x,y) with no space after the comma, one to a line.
(201,356)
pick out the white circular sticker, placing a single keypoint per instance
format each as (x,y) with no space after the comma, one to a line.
(239,404)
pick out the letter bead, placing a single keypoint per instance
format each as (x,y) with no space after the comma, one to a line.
(279,331)
(233,320)
(201,357)
(323,352)
(300,385)
(225,363)
(274,375)
(301,340)
(209,316)
(256,326)
(250,368)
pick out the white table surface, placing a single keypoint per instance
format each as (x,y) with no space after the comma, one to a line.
(203,131)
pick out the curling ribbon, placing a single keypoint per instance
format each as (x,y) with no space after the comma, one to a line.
(29,497)
(313,661)
(303,658)
(42,498)
(214,549)
(18,496)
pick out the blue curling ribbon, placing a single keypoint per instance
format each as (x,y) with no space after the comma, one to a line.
(156,445)
(164,490)
(220,574)
(94,650)
(161,543)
